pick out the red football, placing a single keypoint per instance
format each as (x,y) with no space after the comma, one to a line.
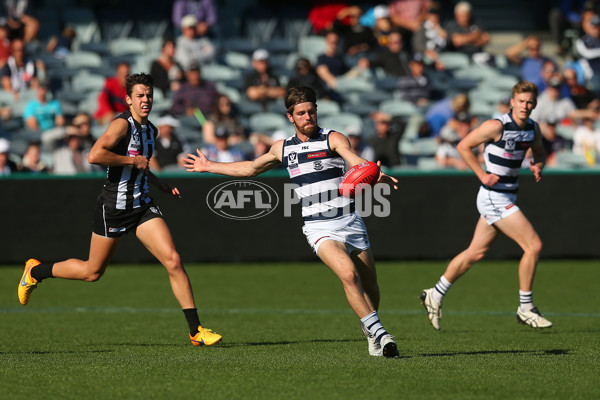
(362,174)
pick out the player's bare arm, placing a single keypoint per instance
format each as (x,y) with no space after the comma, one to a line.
(539,155)
(102,154)
(489,131)
(268,161)
(340,144)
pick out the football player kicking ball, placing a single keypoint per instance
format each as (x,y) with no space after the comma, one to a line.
(507,140)
(315,159)
(125,206)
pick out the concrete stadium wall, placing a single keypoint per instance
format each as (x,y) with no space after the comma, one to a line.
(432,217)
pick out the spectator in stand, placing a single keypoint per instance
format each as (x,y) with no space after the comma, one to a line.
(431,38)
(415,87)
(6,165)
(305,75)
(394,60)
(169,149)
(467,35)
(586,139)
(31,161)
(18,17)
(190,47)
(532,62)
(553,143)
(204,11)
(357,39)
(456,128)
(566,15)
(408,16)
(386,140)
(195,94)
(581,95)
(550,71)
(61,46)
(441,111)
(72,156)
(5,51)
(111,100)
(332,65)
(551,107)
(221,151)
(378,19)
(323,14)
(357,143)
(42,114)
(260,84)
(83,122)
(166,72)
(223,117)
(588,49)
(20,73)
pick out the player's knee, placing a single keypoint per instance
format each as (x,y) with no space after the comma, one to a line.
(349,278)
(474,256)
(173,261)
(534,247)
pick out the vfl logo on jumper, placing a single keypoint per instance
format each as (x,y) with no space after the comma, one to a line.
(510,145)
(293,160)
(242,200)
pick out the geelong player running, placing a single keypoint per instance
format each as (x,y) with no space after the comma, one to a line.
(507,141)
(125,206)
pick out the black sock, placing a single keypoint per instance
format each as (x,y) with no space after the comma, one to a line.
(191,314)
(41,272)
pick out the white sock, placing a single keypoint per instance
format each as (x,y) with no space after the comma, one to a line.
(373,326)
(440,289)
(526,300)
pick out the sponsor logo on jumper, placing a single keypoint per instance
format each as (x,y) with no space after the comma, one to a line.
(316,155)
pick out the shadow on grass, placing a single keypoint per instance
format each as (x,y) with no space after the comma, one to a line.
(552,352)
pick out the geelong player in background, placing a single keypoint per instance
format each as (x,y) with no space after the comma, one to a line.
(125,206)
(507,141)
(315,159)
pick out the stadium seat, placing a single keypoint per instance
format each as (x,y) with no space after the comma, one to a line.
(362,109)
(278,46)
(454,60)
(219,73)
(114,25)
(267,122)
(327,107)
(401,108)
(311,47)
(503,83)
(568,159)
(239,44)
(127,46)
(83,20)
(476,72)
(84,82)
(341,121)
(259,25)
(83,60)
(237,60)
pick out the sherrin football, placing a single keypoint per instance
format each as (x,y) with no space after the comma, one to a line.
(363,174)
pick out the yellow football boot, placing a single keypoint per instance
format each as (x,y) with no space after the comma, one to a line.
(27,283)
(205,337)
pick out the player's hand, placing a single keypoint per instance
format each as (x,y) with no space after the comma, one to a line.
(193,163)
(140,162)
(383,178)
(536,169)
(490,179)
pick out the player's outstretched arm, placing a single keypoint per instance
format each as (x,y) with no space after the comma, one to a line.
(270,160)
(163,185)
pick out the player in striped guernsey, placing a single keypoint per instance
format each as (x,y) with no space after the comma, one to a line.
(126,206)
(315,159)
(507,141)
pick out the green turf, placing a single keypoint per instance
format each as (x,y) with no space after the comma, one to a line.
(289,334)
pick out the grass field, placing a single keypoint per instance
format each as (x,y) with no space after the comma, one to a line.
(289,334)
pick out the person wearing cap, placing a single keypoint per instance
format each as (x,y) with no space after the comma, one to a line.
(315,159)
(204,11)
(71,157)
(169,148)
(195,94)
(111,100)
(431,38)
(452,133)
(40,113)
(7,166)
(126,206)
(220,151)
(190,47)
(416,87)
(260,84)
(551,106)
(385,142)
(508,140)
(588,49)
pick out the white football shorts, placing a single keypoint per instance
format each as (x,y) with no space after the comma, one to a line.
(350,230)
(494,206)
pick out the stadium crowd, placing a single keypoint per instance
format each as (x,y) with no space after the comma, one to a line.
(404,79)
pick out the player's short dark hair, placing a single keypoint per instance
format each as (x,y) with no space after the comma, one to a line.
(299,94)
(138,79)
